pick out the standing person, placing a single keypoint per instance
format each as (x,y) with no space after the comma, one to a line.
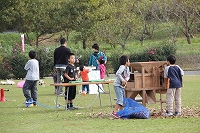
(61,55)
(123,75)
(102,68)
(95,56)
(85,78)
(174,74)
(32,76)
(70,75)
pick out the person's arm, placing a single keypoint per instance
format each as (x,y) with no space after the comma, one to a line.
(54,57)
(69,78)
(90,60)
(182,74)
(119,74)
(27,66)
(66,73)
(128,72)
(166,79)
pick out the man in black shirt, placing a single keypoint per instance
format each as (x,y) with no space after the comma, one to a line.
(61,55)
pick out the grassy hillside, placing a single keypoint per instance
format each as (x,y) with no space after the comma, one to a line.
(188,55)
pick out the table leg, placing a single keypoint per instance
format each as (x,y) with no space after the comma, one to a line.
(99,94)
(67,97)
(56,101)
(110,96)
(144,98)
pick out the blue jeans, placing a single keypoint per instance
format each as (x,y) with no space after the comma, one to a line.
(120,94)
(87,87)
(30,90)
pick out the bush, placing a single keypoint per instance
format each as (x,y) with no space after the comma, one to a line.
(5,73)
(45,58)
(158,53)
(16,62)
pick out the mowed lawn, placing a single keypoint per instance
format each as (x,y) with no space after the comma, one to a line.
(90,117)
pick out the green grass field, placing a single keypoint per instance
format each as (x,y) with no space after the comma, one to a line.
(45,118)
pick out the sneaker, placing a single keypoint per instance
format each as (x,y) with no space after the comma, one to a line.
(168,114)
(62,94)
(115,115)
(29,103)
(34,104)
(69,108)
(177,114)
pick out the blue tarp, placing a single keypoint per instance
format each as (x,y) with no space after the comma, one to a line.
(134,110)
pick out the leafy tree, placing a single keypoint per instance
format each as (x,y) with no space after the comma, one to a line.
(166,19)
(6,16)
(81,17)
(38,16)
(147,24)
(186,12)
(120,26)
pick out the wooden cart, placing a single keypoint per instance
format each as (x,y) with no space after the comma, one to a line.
(147,79)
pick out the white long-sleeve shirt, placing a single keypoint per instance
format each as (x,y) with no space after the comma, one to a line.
(32,68)
(122,74)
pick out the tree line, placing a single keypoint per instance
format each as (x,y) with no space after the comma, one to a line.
(113,21)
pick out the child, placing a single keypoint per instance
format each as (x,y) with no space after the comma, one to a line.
(32,76)
(174,73)
(70,75)
(123,75)
(84,75)
(55,81)
(102,68)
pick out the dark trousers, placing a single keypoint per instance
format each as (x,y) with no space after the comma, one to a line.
(30,90)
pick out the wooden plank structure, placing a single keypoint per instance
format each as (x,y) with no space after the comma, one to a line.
(147,79)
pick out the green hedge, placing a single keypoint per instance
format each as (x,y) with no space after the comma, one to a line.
(12,63)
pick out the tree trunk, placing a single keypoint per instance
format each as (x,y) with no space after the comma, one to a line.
(188,39)
(37,40)
(84,43)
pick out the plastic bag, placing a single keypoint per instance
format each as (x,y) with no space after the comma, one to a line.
(134,110)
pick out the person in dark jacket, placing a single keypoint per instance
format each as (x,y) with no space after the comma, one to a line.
(61,55)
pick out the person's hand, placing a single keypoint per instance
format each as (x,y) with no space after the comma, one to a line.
(124,83)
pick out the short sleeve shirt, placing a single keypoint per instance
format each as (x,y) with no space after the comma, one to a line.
(70,71)
(174,73)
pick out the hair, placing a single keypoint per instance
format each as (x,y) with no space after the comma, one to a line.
(101,61)
(70,55)
(32,54)
(81,67)
(171,59)
(95,46)
(123,59)
(62,41)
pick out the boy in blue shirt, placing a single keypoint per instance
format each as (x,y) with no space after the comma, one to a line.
(174,74)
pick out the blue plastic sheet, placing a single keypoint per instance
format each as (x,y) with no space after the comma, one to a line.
(134,110)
